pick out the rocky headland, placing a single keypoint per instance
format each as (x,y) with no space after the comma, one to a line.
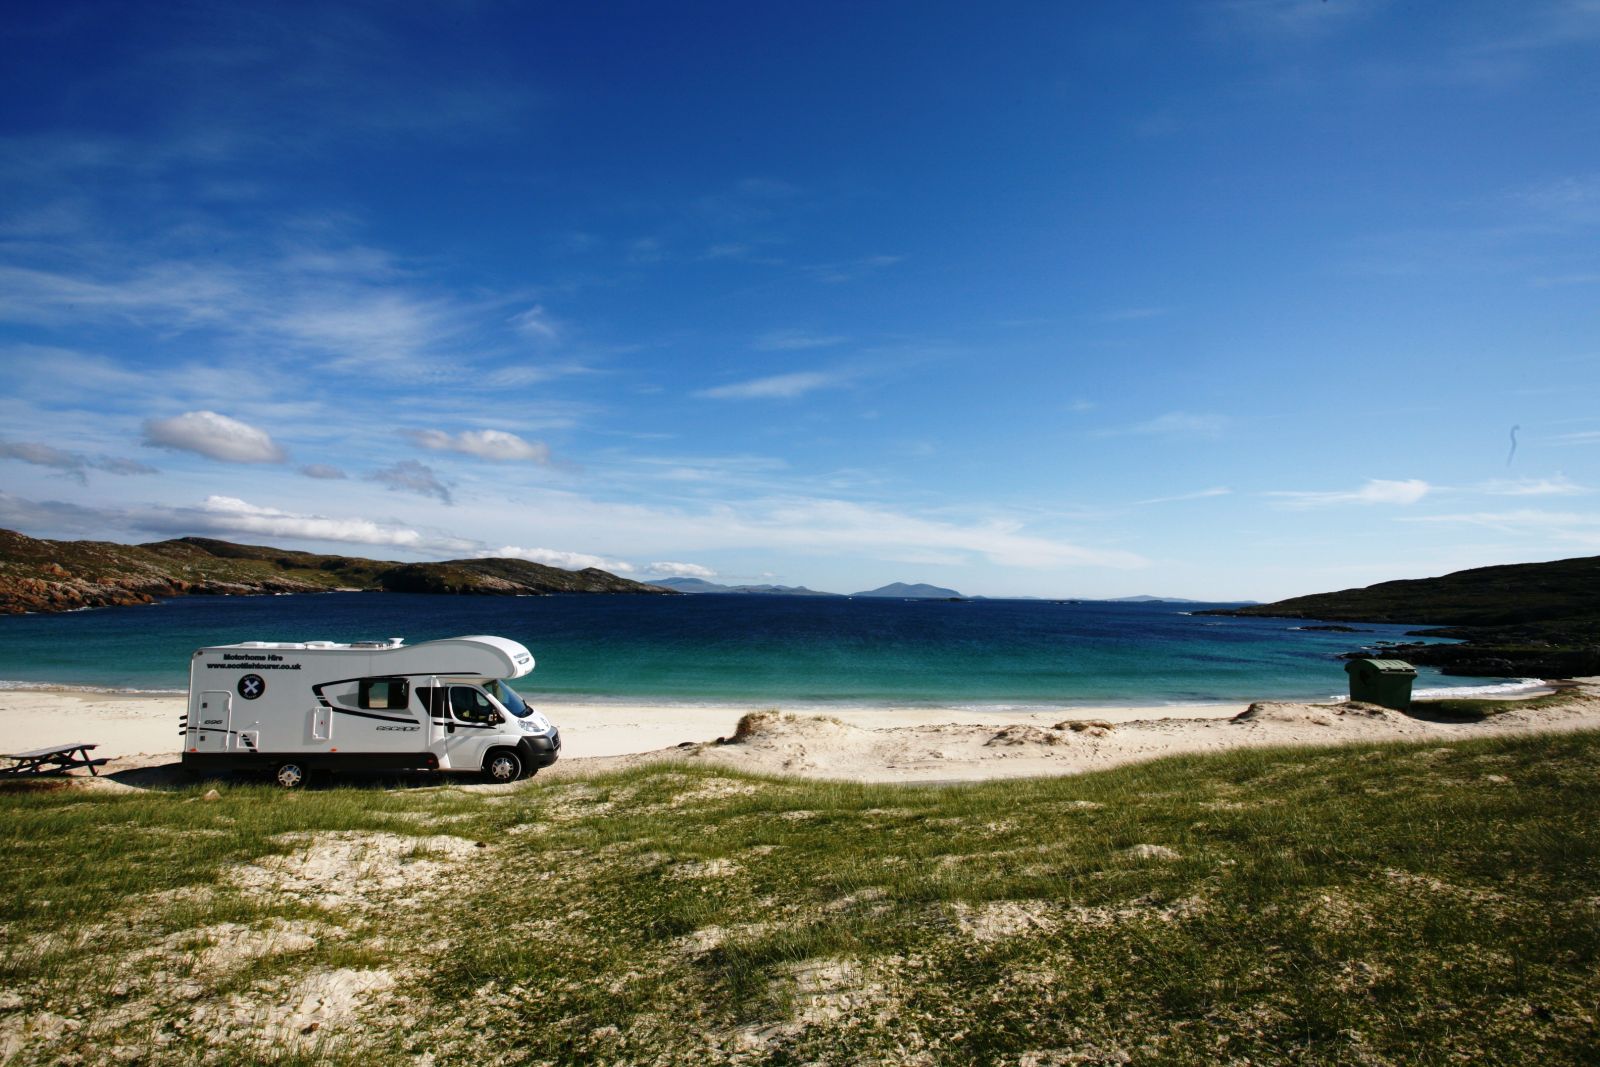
(1518,620)
(47,576)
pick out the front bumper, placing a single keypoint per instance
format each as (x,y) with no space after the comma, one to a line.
(541,750)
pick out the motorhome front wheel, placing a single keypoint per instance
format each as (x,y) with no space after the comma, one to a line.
(291,775)
(503,765)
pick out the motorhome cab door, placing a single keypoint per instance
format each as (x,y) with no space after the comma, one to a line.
(464,722)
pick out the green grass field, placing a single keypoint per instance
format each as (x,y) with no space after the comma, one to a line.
(1375,904)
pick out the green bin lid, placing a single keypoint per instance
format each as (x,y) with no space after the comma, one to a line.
(1383,666)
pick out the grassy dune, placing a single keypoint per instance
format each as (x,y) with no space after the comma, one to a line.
(1358,905)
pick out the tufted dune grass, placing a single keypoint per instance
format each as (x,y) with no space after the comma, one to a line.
(1367,904)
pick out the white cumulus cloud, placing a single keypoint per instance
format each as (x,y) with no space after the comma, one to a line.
(680,570)
(1375,491)
(497,445)
(550,557)
(215,436)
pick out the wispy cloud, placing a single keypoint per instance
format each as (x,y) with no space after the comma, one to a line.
(1199,494)
(1175,424)
(497,445)
(1375,491)
(776,387)
(56,518)
(1568,527)
(323,472)
(409,476)
(536,324)
(258,304)
(796,341)
(215,436)
(1294,19)
(1572,198)
(850,270)
(1134,314)
(76,465)
(519,375)
(843,525)
(1557,486)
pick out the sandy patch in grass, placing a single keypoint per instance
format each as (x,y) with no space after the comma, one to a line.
(714,789)
(349,869)
(999,920)
(1152,852)
(1089,1054)
(717,868)
(708,938)
(293,1016)
(224,947)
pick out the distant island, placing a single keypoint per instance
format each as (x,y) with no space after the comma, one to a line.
(1515,620)
(917,591)
(45,576)
(700,585)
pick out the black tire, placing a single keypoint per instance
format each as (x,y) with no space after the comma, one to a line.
(502,765)
(290,775)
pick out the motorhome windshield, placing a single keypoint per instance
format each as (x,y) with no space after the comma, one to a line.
(509,698)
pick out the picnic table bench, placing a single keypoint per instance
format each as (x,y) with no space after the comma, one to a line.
(57,759)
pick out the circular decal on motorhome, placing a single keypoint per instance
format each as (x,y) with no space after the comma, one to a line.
(252,686)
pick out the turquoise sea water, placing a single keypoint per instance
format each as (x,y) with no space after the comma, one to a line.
(742,649)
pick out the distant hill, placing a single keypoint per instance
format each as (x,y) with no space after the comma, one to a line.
(700,585)
(1534,619)
(919,591)
(1152,600)
(40,575)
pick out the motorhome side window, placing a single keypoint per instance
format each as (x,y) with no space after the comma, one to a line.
(383,693)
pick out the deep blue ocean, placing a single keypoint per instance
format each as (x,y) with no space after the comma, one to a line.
(766,650)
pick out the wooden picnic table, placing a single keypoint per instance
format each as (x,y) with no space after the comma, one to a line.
(57,759)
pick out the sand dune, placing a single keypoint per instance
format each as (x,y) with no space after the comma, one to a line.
(828,747)
(862,744)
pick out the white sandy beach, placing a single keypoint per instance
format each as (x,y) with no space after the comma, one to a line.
(140,724)
(859,743)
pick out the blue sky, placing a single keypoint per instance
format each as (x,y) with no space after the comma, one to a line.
(1219,300)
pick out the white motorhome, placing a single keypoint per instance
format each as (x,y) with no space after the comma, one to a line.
(294,708)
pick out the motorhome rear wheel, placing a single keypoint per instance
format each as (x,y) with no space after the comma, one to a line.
(290,775)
